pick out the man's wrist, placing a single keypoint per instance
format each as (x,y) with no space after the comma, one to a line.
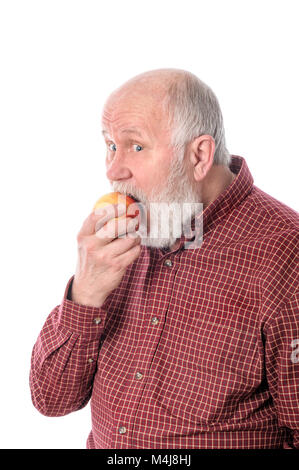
(82,299)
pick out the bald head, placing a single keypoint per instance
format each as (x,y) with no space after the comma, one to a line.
(154,82)
(150,88)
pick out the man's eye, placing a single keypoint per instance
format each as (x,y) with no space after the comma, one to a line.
(137,147)
(112,147)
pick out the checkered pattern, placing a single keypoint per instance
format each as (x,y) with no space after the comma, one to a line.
(202,352)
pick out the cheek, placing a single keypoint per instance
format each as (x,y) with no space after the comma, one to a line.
(151,176)
(161,169)
(153,172)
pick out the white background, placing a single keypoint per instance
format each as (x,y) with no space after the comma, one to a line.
(59,62)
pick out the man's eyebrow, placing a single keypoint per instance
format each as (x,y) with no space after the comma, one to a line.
(129,130)
(132,130)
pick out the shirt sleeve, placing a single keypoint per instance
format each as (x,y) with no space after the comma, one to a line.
(282,367)
(64,357)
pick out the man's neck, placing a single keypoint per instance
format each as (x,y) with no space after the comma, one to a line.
(216,181)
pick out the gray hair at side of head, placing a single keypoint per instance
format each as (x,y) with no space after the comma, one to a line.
(194,110)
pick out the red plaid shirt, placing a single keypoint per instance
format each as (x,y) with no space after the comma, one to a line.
(196,348)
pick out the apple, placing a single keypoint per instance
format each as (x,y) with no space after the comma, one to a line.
(117,198)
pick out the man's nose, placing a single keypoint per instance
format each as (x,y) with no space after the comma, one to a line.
(116,169)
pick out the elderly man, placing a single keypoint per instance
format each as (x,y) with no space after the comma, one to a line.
(178,346)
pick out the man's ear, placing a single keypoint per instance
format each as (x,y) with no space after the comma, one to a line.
(201,153)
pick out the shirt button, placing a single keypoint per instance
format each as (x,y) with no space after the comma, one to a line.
(97,320)
(168,263)
(122,430)
(138,375)
(90,360)
(155,321)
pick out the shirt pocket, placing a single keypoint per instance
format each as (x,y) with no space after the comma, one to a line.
(215,369)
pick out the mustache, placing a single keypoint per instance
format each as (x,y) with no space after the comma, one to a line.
(129,190)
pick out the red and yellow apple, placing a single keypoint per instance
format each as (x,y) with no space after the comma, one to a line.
(117,198)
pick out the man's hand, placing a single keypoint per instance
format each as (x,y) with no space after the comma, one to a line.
(103,258)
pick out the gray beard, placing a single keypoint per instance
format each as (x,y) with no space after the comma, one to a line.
(177,192)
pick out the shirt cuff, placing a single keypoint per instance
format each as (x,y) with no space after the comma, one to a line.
(81,319)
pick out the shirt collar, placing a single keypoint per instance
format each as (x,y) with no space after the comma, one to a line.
(230,198)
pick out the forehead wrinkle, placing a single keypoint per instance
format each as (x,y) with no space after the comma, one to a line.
(136,104)
(123,124)
(116,113)
(119,115)
(132,130)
